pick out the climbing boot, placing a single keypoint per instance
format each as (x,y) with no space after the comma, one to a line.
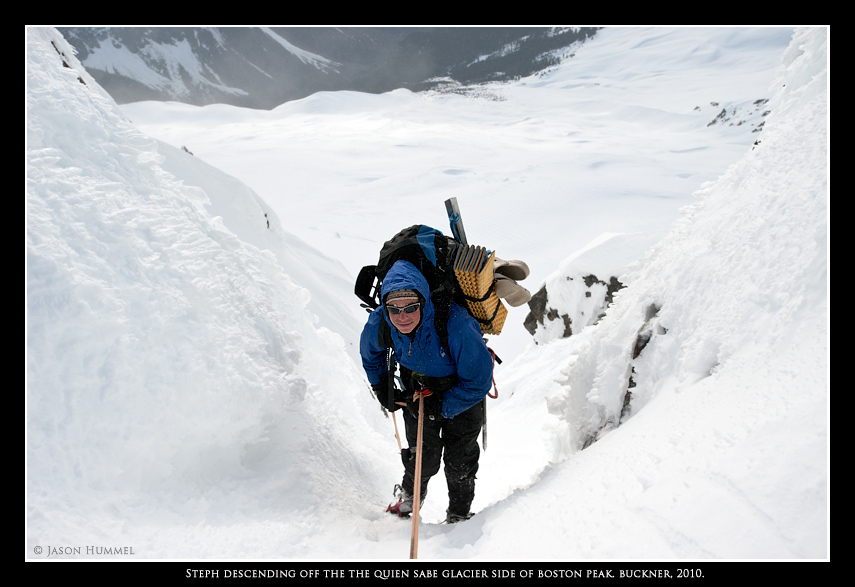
(403,506)
(453,517)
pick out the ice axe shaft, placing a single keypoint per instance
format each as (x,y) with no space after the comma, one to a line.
(455,220)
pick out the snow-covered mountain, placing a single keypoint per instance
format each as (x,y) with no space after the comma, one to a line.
(191,393)
(263,67)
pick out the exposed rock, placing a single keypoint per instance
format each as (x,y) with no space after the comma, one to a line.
(650,328)
(591,306)
(739,114)
(537,311)
(579,292)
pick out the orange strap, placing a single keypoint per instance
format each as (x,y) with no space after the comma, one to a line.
(495,395)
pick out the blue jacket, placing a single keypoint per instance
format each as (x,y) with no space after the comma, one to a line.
(422,351)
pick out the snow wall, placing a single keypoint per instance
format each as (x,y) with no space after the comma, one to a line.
(167,354)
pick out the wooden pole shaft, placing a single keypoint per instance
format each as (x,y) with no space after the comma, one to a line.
(417,483)
(397,435)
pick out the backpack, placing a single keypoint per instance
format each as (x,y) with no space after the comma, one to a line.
(431,252)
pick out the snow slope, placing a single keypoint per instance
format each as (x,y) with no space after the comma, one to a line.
(185,399)
(615,140)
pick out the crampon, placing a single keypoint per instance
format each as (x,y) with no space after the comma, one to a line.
(404,505)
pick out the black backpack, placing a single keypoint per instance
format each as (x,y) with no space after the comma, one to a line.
(431,252)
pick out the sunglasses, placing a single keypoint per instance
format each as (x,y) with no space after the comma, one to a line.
(408,309)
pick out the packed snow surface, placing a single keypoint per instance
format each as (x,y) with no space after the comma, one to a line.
(193,389)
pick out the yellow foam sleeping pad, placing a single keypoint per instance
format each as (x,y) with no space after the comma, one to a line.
(473,267)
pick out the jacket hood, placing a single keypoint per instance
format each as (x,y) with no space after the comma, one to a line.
(405,275)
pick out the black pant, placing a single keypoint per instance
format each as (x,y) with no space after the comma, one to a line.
(458,439)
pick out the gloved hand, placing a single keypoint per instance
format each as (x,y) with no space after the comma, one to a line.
(381,390)
(432,402)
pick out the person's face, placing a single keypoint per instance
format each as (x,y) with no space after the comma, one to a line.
(408,316)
